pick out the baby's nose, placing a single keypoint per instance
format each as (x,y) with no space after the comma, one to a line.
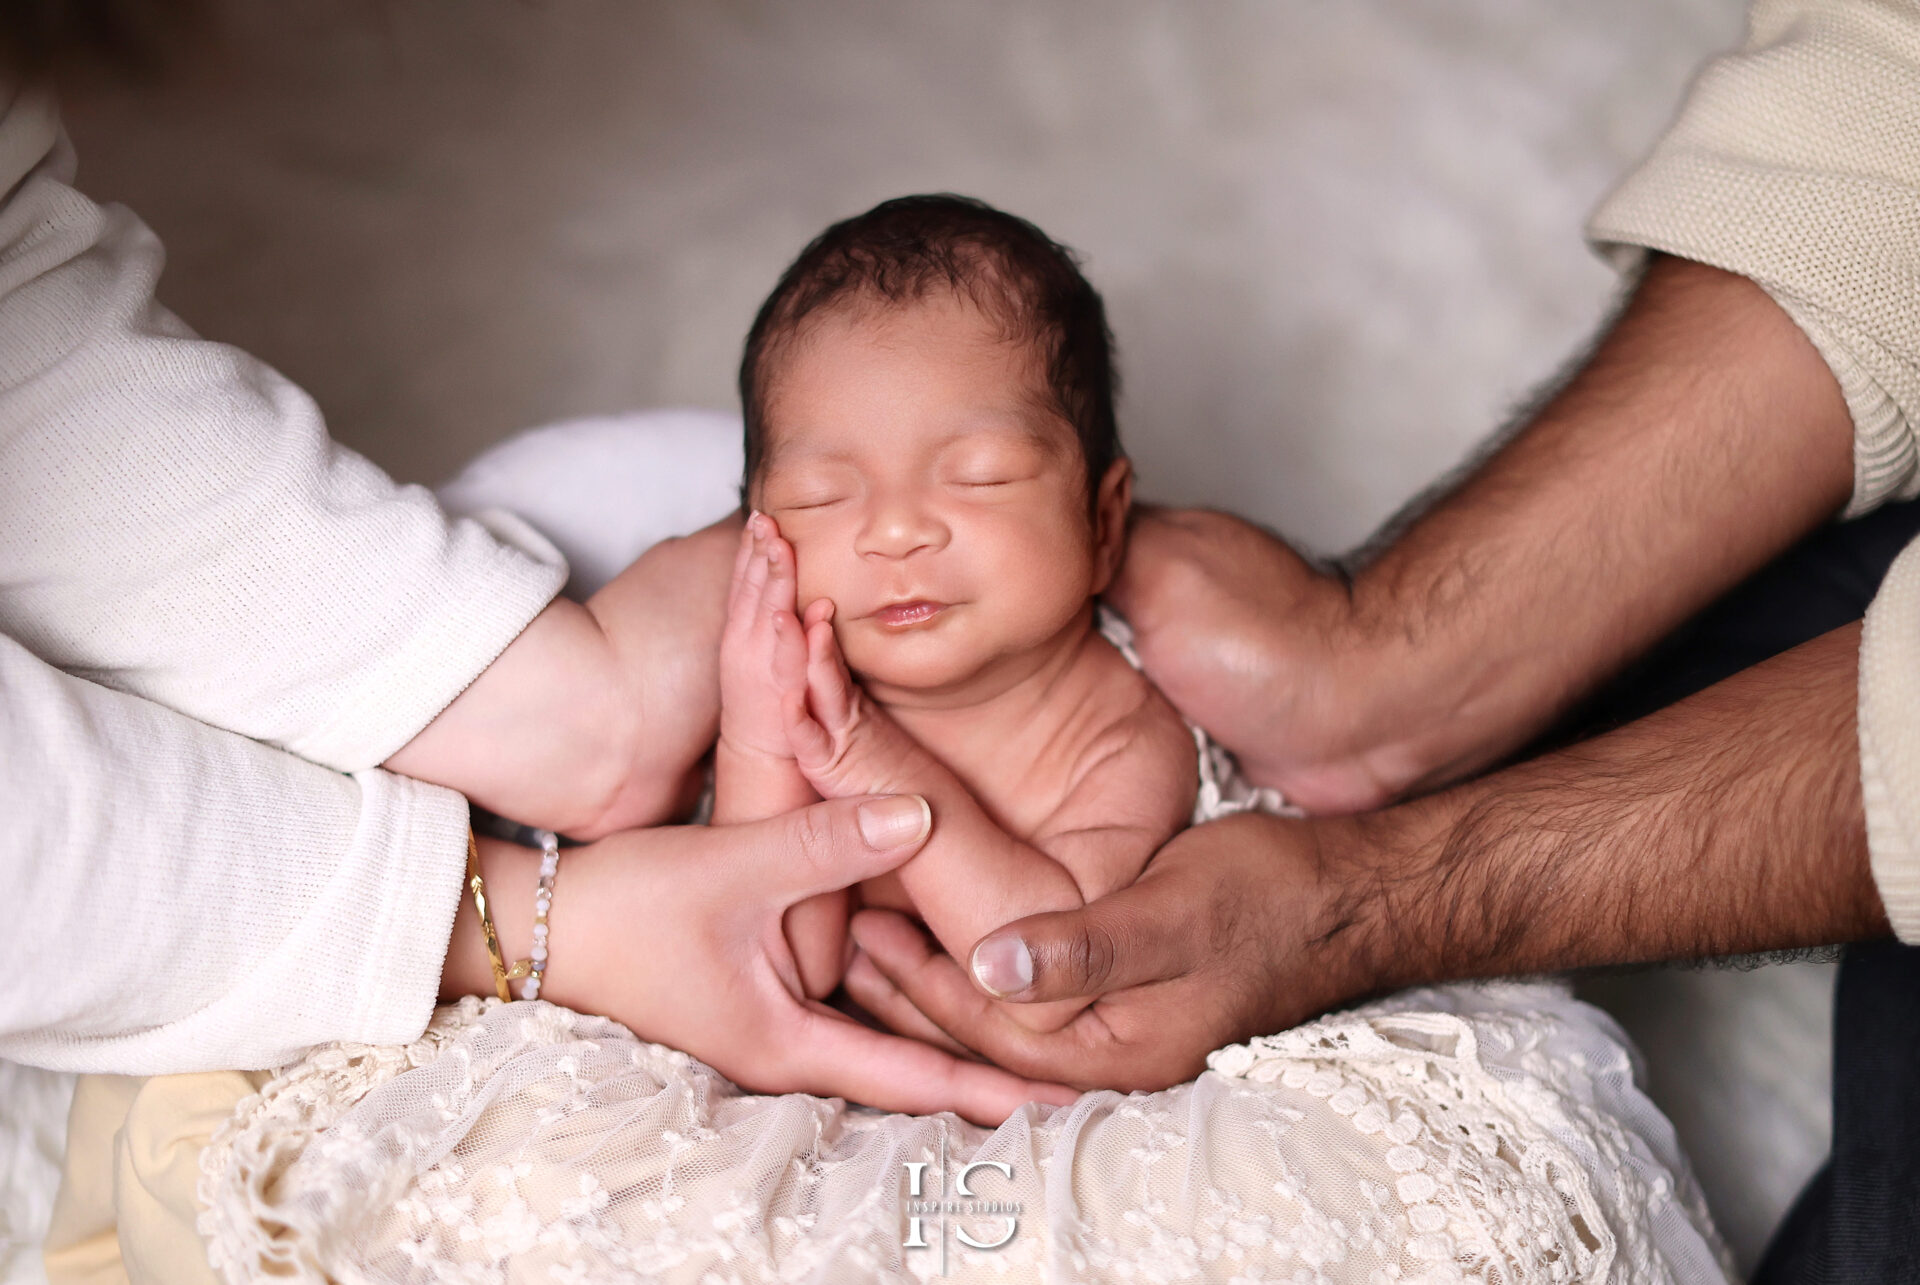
(898,528)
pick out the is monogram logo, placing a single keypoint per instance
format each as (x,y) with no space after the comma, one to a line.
(963,1203)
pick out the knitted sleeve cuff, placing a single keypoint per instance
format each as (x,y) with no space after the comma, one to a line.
(1792,164)
(1890,741)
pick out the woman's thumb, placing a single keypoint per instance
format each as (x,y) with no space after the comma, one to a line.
(838,843)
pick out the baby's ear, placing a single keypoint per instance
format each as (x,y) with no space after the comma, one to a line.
(1111,505)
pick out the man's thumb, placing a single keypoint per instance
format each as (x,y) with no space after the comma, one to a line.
(1109,945)
(842,841)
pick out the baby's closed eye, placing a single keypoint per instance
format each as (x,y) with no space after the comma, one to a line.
(803,493)
(802,504)
(989,466)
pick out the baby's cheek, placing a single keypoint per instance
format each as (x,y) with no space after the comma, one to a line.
(809,570)
(809,588)
(1056,584)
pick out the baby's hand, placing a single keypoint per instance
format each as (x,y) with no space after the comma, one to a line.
(820,705)
(843,743)
(762,651)
(762,654)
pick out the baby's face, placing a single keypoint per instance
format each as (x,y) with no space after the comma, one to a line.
(930,490)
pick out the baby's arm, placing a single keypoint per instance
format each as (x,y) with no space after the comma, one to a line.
(972,876)
(754,772)
(1135,791)
(643,648)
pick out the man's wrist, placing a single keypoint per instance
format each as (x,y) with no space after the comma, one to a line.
(1391,708)
(1376,871)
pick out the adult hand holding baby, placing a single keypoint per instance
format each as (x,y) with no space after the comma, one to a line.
(1247,925)
(1253,643)
(676,932)
(1238,927)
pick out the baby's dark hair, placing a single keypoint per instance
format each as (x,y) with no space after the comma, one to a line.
(904,249)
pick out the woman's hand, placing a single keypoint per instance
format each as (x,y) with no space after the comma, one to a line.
(676,932)
(1255,645)
(1237,928)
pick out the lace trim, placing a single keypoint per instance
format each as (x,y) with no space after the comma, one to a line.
(1397,1142)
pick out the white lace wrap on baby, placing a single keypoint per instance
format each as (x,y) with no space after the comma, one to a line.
(1472,1133)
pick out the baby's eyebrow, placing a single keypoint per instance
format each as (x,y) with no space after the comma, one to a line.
(804,452)
(1050,437)
(1022,422)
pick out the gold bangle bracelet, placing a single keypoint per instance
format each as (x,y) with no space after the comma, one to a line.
(478,887)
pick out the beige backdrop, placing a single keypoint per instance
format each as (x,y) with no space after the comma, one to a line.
(1338,240)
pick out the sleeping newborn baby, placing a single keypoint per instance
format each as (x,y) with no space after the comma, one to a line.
(938,497)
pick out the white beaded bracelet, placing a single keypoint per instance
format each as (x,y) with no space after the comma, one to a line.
(536,967)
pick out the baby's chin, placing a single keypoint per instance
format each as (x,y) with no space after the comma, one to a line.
(910,664)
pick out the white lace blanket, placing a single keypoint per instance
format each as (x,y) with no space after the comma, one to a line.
(1466,1133)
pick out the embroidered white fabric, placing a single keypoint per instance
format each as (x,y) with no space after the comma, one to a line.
(1464,1133)
(1484,1133)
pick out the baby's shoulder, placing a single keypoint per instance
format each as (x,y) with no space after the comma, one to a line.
(1141,758)
(1133,779)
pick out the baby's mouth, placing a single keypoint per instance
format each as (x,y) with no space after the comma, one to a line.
(910,614)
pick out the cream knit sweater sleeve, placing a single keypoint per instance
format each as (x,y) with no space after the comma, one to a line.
(181,899)
(1796,162)
(1889,713)
(176,523)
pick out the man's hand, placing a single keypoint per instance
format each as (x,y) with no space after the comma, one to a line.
(1253,644)
(1704,436)
(1235,929)
(1729,823)
(676,932)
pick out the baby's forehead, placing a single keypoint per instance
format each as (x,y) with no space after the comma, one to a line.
(936,371)
(799,445)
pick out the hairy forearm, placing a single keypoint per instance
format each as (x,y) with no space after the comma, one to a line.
(1704,436)
(1728,823)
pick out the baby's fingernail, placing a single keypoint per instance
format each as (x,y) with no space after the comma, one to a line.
(1003,965)
(892,822)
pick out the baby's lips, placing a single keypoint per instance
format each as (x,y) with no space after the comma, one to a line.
(913,612)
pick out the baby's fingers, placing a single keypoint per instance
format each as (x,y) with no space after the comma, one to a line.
(753,578)
(789,654)
(812,747)
(737,587)
(829,686)
(777,594)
